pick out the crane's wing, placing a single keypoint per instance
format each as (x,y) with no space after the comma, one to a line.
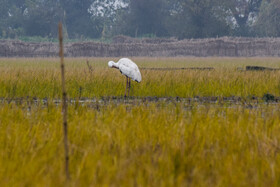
(130,69)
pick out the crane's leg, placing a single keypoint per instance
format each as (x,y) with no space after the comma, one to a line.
(126,86)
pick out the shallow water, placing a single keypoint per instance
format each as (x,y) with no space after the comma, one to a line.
(252,102)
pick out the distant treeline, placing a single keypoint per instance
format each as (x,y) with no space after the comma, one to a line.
(103,19)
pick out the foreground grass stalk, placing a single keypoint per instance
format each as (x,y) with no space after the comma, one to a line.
(64,102)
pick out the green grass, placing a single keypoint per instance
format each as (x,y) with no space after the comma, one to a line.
(142,145)
(41,78)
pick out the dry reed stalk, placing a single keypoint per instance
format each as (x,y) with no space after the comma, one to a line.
(64,102)
(89,67)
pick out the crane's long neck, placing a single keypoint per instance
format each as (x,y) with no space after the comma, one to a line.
(114,65)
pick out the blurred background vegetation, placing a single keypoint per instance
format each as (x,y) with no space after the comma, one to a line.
(36,20)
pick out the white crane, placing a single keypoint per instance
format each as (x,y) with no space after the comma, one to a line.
(128,68)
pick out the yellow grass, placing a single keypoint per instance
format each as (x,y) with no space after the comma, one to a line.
(141,144)
(41,78)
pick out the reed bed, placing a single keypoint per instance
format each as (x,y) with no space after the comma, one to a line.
(41,78)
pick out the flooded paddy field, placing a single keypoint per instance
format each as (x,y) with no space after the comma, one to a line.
(135,101)
(188,127)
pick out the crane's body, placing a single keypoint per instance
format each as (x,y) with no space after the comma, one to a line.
(128,68)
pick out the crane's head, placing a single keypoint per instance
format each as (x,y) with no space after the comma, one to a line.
(111,64)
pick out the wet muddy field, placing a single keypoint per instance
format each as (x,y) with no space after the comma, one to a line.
(96,103)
